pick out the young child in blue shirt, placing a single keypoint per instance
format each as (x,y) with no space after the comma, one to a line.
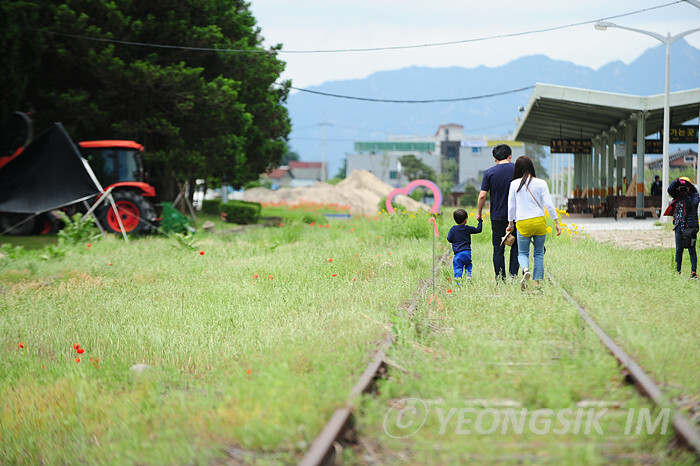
(460,236)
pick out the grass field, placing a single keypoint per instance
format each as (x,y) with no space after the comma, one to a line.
(493,351)
(252,339)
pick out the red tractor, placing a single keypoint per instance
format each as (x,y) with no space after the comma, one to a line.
(49,173)
(118,165)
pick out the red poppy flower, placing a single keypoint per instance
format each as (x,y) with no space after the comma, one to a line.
(20,345)
(77,359)
(110,263)
(88,245)
(353,279)
(79,350)
(330,259)
(255,276)
(312,224)
(76,346)
(201,253)
(269,277)
(248,371)
(281,224)
(334,275)
(449,291)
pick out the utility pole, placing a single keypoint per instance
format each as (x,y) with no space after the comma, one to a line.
(323,159)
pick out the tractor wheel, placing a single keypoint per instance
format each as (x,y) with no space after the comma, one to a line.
(134,211)
(47,223)
(10,220)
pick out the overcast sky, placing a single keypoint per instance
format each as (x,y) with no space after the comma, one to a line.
(303,25)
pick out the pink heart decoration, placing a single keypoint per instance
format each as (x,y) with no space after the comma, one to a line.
(437,194)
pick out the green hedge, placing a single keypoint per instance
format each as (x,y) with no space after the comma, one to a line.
(241,212)
(211,206)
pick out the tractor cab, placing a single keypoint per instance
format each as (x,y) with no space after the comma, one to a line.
(114,161)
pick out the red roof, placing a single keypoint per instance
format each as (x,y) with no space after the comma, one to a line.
(294,164)
(278,173)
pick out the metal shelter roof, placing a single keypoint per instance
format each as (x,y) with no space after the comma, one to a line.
(567,112)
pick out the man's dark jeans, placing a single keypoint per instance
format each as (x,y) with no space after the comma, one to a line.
(498,228)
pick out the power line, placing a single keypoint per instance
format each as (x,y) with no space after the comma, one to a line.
(481,39)
(457,99)
(368,49)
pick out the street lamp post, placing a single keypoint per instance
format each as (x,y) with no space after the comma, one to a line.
(667,40)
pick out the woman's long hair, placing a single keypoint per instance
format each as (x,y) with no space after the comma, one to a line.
(524,169)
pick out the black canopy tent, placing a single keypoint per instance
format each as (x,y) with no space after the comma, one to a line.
(49,174)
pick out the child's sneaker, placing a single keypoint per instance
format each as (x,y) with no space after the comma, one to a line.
(693,275)
(526,278)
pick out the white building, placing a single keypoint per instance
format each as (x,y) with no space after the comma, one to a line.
(472,155)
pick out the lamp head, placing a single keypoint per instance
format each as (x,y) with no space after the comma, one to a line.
(603,25)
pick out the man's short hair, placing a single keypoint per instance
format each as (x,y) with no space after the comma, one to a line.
(460,215)
(502,152)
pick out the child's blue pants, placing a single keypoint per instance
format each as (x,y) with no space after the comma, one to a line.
(462,260)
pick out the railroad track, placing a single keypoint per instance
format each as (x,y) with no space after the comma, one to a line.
(339,430)
(326,447)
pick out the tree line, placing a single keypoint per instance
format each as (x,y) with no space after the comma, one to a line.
(94,65)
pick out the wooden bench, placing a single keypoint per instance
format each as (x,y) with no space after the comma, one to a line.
(622,205)
(577,205)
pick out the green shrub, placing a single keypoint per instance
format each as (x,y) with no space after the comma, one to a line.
(311,217)
(241,212)
(77,229)
(211,206)
(407,225)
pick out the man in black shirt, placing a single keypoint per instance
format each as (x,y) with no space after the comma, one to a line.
(497,182)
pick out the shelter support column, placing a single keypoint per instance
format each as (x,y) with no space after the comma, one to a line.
(597,172)
(641,123)
(629,152)
(611,161)
(619,167)
(570,177)
(578,175)
(588,165)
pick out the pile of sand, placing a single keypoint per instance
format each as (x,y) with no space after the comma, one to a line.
(361,191)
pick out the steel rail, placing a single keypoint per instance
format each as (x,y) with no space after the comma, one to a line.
(323,449)
(644,383)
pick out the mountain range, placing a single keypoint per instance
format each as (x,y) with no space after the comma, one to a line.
(328,126)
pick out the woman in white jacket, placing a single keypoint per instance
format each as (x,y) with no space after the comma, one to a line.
(527,198)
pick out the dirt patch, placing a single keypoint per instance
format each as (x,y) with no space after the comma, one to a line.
(635,239)
(360,192)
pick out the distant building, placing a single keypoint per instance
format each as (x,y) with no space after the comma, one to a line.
(298,174)
(679,160)
(382,158)
(472,155)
